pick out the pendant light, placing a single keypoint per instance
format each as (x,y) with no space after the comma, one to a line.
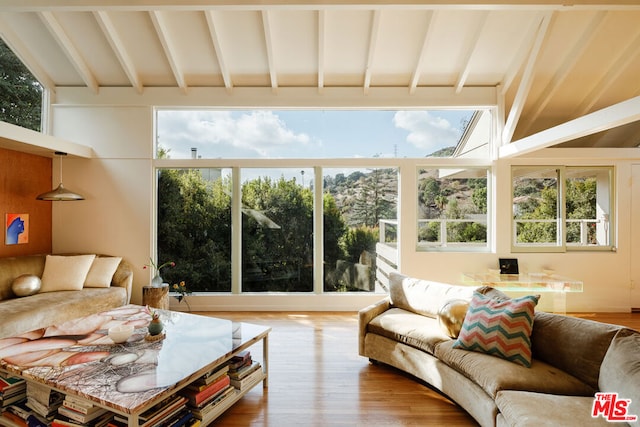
(60,193)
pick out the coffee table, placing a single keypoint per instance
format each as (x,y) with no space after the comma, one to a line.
(78,358)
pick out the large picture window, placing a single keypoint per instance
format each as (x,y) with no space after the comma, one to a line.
(562,208)
(303,201)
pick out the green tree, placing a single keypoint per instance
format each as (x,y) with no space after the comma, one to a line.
(277,255)
(20,92)
(194,219)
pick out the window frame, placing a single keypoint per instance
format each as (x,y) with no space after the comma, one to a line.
(561,217)
(456,246)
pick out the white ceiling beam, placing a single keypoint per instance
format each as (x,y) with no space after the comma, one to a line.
(222,63)
(195,5)
(564,70)
(428,25)
(526,81)
(373,41)
(322,43)
(268,40)
(112,36)
(70,50)
(624,59)
(434,97)
(607,118)
(24,55)
(162,31)
(472,45)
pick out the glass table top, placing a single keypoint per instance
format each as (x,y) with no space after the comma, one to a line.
(540,282)
(79,356)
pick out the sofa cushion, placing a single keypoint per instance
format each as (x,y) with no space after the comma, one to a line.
(528,409)
(574,345)
(421,332)
(65,273)
(424,297)
(494,374)
(101,272)
(620,369)
(499,327)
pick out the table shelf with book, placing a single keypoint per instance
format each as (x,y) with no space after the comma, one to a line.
(188,378)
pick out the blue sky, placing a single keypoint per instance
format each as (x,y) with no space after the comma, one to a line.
(308,133)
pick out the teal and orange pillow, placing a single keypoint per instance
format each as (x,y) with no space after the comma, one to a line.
(499,327)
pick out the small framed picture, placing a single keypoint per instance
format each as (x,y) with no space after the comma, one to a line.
(16,229)
(508,266)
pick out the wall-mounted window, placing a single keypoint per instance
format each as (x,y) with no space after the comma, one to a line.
(453,209)
(558,208)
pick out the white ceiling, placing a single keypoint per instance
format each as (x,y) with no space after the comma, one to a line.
(552,63)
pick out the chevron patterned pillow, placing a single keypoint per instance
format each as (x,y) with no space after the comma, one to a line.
(499,327)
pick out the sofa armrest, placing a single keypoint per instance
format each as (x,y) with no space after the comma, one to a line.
(123,278)
(366,315)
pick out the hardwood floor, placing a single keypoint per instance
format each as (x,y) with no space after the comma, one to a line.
(317,378)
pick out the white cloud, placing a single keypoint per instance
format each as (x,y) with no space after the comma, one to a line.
(426,130)
(256,132)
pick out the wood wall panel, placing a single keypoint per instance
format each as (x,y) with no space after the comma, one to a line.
(22,177)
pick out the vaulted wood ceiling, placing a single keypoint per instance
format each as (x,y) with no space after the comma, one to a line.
(551,63)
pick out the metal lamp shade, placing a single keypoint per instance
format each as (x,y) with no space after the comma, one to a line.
(60,194)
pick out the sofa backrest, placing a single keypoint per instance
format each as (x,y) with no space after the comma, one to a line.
(12,267)
(424,297)
(574,345)
(620,369)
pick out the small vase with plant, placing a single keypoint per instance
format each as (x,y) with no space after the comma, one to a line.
(156,281)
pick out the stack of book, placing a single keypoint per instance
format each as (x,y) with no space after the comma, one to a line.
(43,400)
(21,415)
(208,393)
(75,411)
(163,412)
(12,390)
(243,371)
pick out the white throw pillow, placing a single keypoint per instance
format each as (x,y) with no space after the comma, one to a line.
(65,273)
(101,272)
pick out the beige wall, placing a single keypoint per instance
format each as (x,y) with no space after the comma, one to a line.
(118,217)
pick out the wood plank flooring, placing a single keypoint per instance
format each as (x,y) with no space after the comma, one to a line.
(317,378)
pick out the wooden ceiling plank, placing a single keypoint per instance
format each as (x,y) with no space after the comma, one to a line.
(69,49)
(169,5)
(607,118)
(526,81)
(268,40)
(620,64)
(25,56)
(222,63)
(428,25)
(472,47)
(565,68)
(521,56)
(116,43)
(162,31)
(373,42)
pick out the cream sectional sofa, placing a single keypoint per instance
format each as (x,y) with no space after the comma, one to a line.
(100,288)
(573,359)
